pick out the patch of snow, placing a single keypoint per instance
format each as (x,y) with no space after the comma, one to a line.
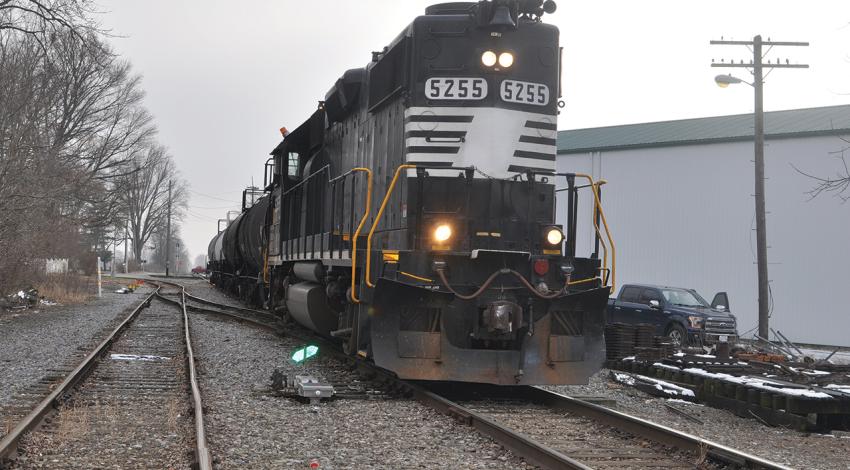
(21,294)
(134,357)
(49,303)
(660,385)
(816,372)
(668,388)
(665,366)
(630,358)
(624,378)
(762,384)
(679,400)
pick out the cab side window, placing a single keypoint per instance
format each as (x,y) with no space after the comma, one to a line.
(650,294)
(631,294)
(293,169)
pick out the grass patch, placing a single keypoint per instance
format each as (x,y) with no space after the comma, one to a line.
(66,288)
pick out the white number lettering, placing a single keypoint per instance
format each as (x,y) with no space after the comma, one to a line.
(514,91)
(456,88)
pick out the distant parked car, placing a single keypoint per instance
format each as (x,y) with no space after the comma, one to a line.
(199,270)
(682,314)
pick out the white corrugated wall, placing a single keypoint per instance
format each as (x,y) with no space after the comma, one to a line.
(684,216)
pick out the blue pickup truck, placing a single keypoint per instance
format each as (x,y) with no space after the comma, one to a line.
(682,314)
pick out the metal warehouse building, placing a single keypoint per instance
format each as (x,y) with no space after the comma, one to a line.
(679,203)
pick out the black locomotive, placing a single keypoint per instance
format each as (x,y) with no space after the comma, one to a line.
(412,216)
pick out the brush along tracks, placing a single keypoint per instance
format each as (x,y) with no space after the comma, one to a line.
(128,404)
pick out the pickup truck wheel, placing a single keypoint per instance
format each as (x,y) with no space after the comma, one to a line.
(677,334)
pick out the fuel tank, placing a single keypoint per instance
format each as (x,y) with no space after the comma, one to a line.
(307,303)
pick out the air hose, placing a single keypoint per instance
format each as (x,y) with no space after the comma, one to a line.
(442,275)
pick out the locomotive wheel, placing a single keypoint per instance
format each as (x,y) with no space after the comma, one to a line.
(349,345)
(277,294)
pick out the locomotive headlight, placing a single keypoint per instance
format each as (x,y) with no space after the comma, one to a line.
(554,236)
(488,58)
(442,233)
(506,59)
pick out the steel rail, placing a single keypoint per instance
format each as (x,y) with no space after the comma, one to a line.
(533,452)
(203,456)
(9,443)
(653,431)
(530,450)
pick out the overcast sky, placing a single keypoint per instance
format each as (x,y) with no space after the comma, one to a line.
(222,76)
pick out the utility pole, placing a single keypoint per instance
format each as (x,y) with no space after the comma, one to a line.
(757,67)
(126,245)
(114,250)
(168,233)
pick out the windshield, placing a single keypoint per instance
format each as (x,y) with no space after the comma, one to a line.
(683,297)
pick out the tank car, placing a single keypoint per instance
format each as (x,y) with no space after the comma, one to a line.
(237,253)
(412,216)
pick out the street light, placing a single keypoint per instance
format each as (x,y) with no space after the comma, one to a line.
(724,81)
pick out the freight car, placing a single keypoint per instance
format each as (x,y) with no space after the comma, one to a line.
(412,215)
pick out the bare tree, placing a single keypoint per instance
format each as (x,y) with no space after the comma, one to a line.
(144,193)
(77,151)
(40,18)
(839,184)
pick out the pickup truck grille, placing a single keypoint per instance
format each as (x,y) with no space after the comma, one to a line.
(720,325)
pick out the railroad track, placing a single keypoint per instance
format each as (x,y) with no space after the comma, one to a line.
(545,428)
(125,404)
(557,431)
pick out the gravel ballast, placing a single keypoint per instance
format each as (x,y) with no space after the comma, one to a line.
(785,446)
(248,426)
(131,411)
(42,338)
(792,448)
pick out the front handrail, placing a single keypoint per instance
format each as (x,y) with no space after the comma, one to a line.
(595,189)
(378,220)
(359,228)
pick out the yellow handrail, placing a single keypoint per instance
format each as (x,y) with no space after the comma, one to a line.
(595,188)
(265,266)
(357,232)
(602,241)
(378,219)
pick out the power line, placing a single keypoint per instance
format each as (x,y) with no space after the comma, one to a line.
(214,197)
(235,204)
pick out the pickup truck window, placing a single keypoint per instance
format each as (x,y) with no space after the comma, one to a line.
(630,294)
(649,294)
(684,298)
